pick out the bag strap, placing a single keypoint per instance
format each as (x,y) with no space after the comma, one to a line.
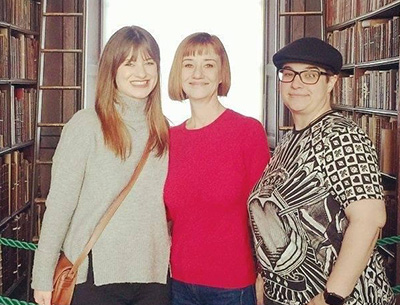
(111,210)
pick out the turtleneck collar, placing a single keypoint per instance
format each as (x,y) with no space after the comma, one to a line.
(131,110)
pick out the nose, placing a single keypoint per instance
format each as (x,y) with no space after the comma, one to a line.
(198,72)
(296,82)
(140,71)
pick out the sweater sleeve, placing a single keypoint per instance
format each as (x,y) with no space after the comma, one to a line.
(256,152)
(68,170)
(351,166)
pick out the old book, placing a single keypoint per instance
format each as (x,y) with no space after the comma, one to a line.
(12,117)
(4,46)
(3,190)
(6,124)
(22,55)
(388,143)
(32,112)
(395,33)
(7,177)
(13,57)
(18,114)
(27,181)
(16,181)
(3,118)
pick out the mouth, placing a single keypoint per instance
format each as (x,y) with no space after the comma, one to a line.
(298,95)
(198,83)
(139,83)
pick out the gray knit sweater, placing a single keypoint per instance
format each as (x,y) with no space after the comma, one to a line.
(86,177)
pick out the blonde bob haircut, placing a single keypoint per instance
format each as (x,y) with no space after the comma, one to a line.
(116,136)
(198,43)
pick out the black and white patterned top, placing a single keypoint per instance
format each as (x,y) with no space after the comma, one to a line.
(297,211)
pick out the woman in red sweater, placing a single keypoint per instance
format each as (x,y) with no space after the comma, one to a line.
(216,157)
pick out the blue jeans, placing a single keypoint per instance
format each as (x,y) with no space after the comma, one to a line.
(190,294)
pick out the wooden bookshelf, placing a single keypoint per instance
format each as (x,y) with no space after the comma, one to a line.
(367,33)
(14,264)
(19,44)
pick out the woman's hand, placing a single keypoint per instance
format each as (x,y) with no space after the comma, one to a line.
(260,290)
(317,300)
(42,297)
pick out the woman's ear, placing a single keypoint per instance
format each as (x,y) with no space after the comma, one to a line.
(332,81)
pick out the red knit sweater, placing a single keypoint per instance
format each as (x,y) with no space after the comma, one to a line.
(211,173)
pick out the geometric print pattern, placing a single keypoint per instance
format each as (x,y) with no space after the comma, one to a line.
(297,214)
(350,163)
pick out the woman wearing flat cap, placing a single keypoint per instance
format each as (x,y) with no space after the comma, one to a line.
(318,208)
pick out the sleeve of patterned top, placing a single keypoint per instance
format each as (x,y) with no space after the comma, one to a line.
(351,165)
(256,151)
(353,178)
(67,174)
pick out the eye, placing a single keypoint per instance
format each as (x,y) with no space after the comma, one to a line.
(287,73)
(209,66)
(150,62)
(130,63)
(188,65)
(311,74)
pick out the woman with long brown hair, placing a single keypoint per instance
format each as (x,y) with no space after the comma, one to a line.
(95,158)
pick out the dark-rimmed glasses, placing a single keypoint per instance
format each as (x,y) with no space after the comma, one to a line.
(308,77)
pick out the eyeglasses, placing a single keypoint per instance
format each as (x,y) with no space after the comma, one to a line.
(308,77)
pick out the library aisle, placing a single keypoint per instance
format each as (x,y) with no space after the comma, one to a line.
(42,77)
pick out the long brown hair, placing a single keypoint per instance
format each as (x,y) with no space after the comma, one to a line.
(198,43)
(116,136)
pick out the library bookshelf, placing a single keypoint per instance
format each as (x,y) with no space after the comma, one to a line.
(367,34)
(19,34)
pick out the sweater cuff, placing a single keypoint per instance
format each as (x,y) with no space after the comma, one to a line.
(44,265)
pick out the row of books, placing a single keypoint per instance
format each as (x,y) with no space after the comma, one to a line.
(15,183)
(21,13)
(340,11)
(24,111)
(21,52)
(367,6)
(383,134)
(378,89)
(344,41)
(378,39)
(374,39)
(17,115)
(343,92)
(23,56)
(14,261)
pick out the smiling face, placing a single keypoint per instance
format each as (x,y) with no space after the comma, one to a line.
(137,77)
(201,75)
(307,100)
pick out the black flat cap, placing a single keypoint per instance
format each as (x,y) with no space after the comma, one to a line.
(310,50)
